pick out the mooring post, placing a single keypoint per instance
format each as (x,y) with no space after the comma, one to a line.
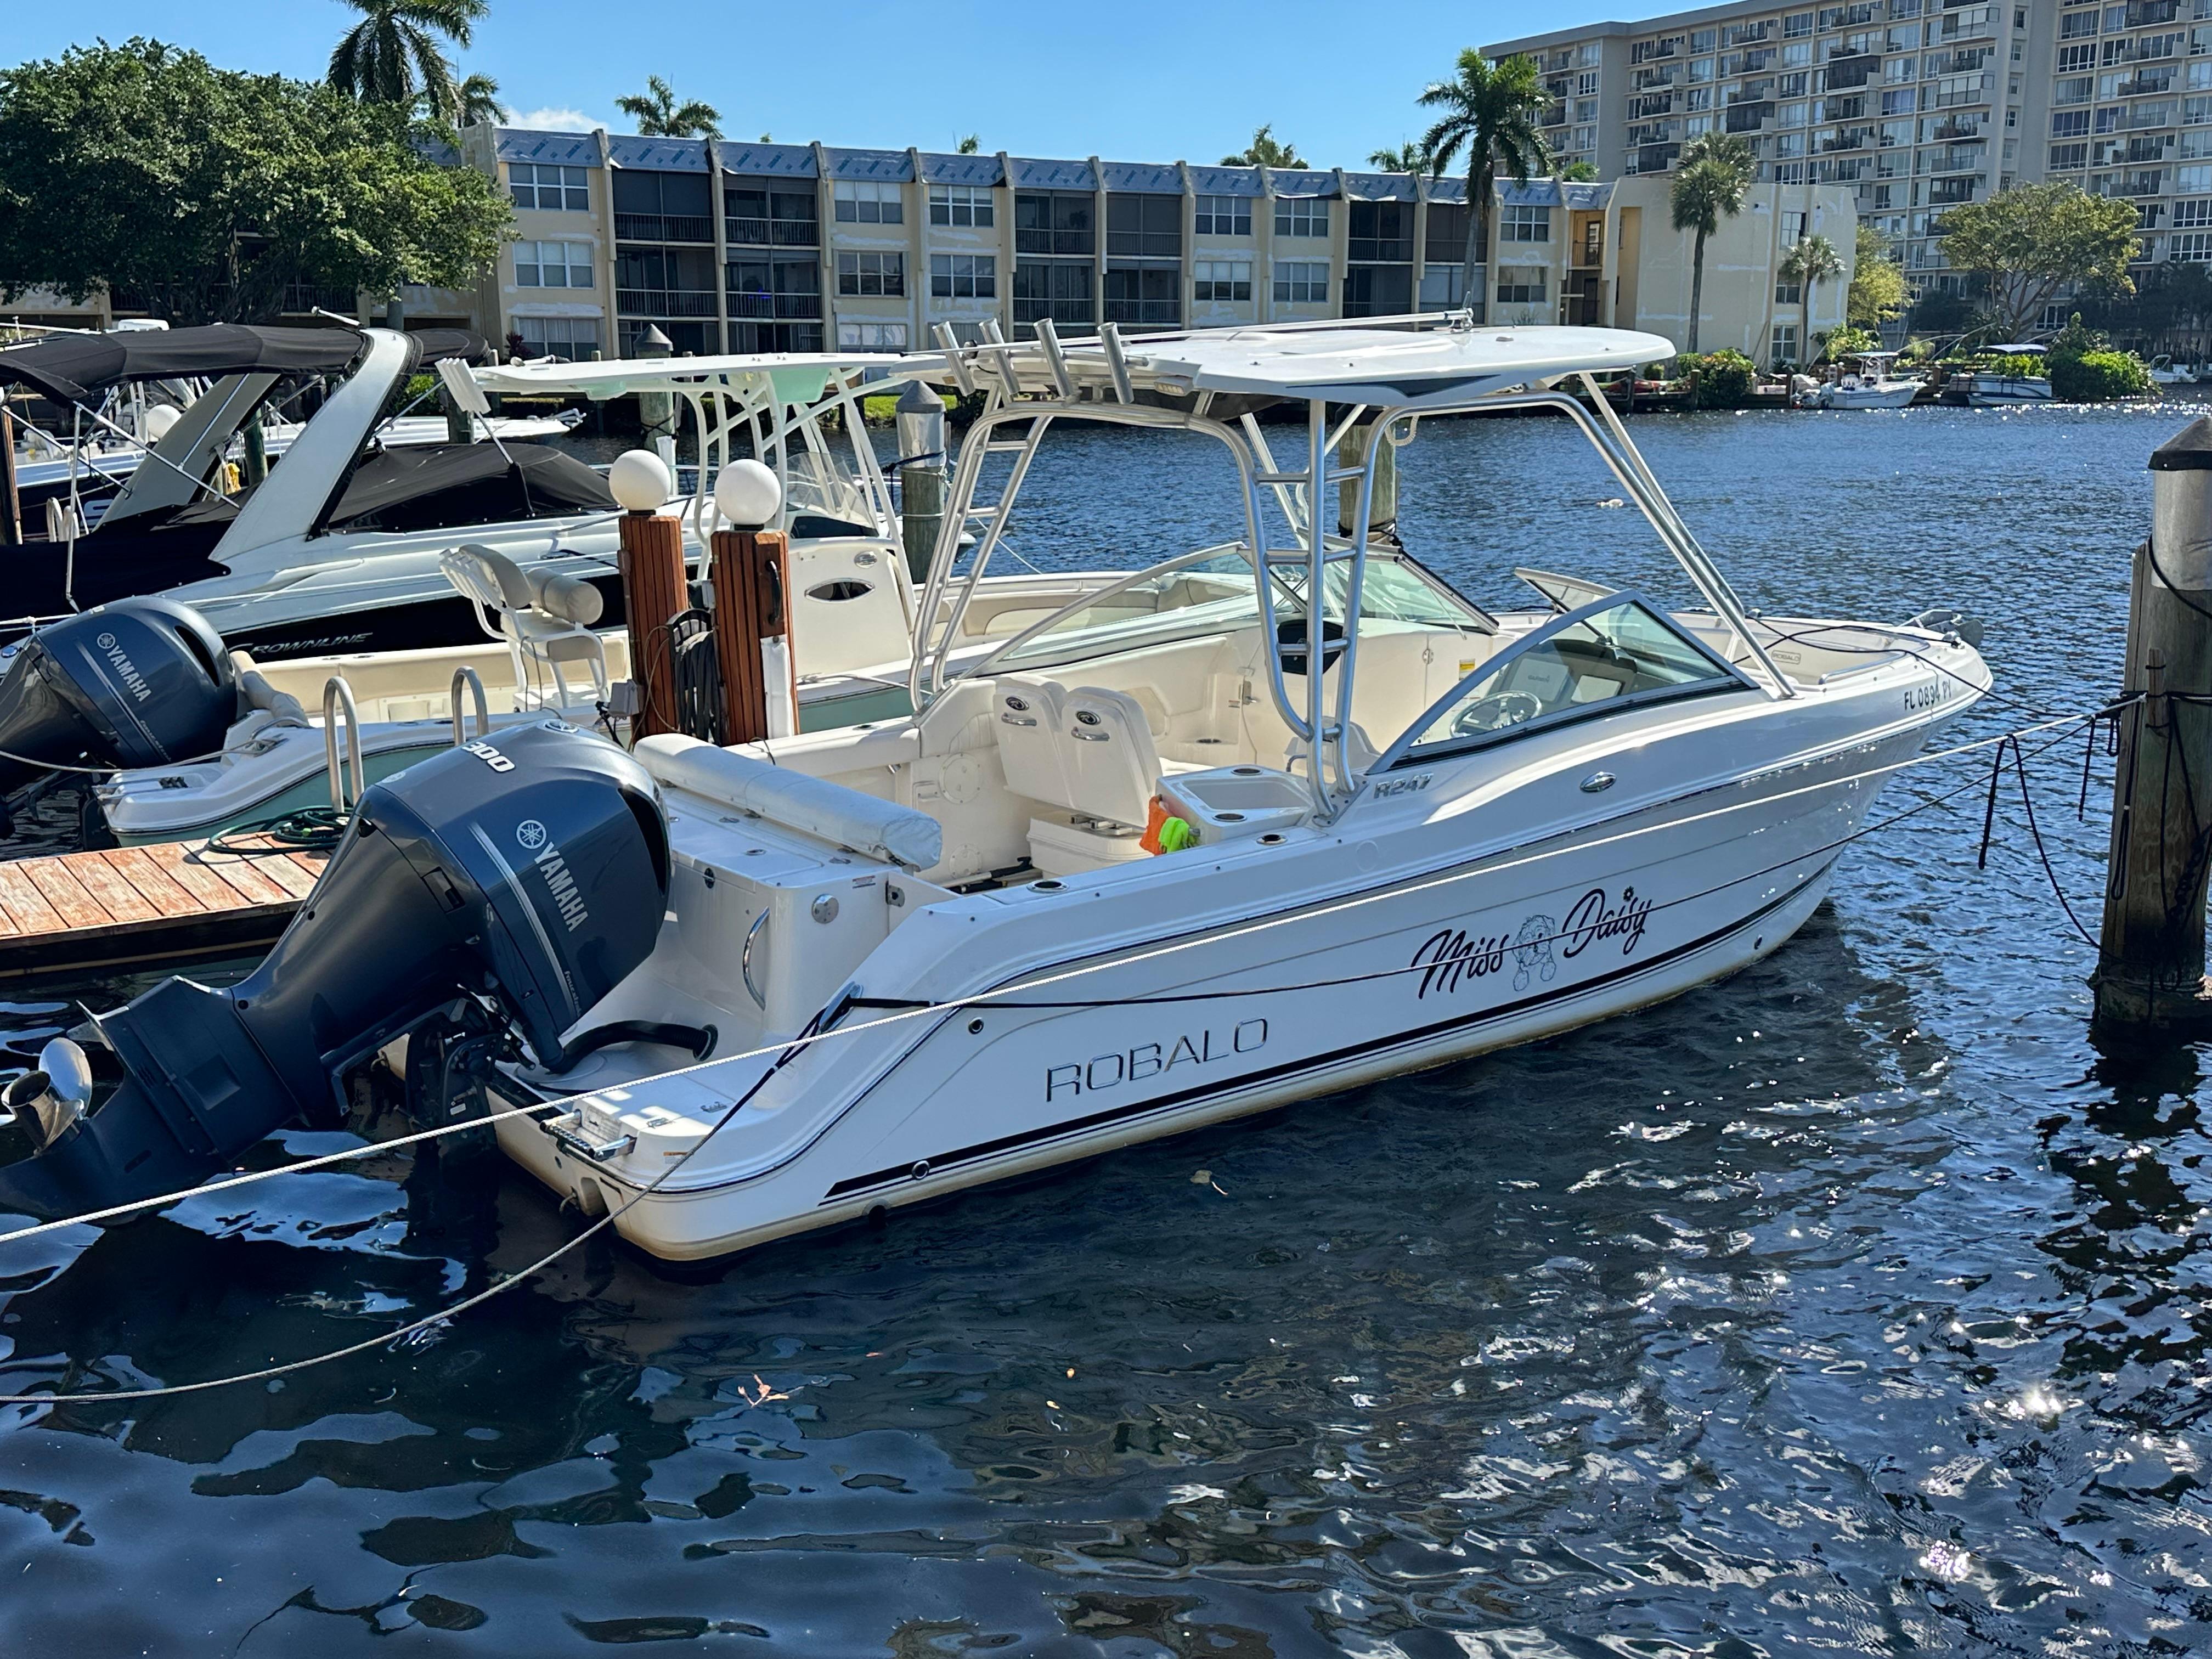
(655,585)
(2150,973)
(1351,452)
(752,622)
(11,503)
(920,417)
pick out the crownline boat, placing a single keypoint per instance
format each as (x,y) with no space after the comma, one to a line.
(1989,390)
(1871,387)
(744,992)
(338,548)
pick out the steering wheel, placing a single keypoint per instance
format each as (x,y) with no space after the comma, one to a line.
(1496,711)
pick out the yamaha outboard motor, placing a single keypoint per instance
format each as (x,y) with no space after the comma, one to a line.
(138,682)
(533,869)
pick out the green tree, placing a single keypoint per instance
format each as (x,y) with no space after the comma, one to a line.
(1266,151)
(660,116)
(207,192)
(1878,292)
(1713,173)
(394,55)
(479,102)
(1493,113)
(970,144)
(2029,243)
(1812,261)
(1579,173)
(1409,157)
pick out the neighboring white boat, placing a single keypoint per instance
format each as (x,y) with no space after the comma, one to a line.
(740,994)
(1986,391)
(2163,372)
(1870,387)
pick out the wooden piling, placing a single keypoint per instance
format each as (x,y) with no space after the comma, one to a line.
(11,500)
(752,576)
(655,591)
(2150,972)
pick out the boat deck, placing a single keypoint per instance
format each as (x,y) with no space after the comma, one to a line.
(142,906)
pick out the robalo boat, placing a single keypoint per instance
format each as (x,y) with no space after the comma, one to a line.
(732,993)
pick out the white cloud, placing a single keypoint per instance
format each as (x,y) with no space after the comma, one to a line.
(557,118)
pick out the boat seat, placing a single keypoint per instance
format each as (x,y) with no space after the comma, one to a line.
(1028,713)
(828,811)
(543,618)
(1112,760)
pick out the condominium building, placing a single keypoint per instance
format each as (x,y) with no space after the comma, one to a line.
(1913,106)
(734,247)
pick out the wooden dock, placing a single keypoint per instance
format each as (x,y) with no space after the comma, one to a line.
(141,906)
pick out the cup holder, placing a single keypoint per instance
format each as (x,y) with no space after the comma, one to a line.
(1230,817)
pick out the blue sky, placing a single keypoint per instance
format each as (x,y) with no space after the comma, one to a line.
(1135,80)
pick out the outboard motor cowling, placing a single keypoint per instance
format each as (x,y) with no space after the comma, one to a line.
(142,681)
(533,870)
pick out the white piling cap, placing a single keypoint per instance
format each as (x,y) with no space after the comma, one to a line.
(748,494)
(640,480)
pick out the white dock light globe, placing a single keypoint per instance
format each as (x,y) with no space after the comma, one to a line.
(640,480)
(748,494)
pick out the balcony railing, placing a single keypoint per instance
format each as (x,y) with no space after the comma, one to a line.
(662,227)
(664,303)
(2144,82)
(749,232)
(788,307)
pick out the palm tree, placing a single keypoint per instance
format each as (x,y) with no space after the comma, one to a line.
(1714,171)
(1409,157)
(660,116)
(394,55)
(970,144)
(1266,152)
(479,102)
(1493,112)
(1813,260)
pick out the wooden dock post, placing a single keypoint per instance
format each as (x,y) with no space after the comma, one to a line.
(920,414)
(2150,972)
(11,503)
(655,583)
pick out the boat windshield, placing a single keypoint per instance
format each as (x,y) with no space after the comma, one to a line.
(1214,591)
(1586,662)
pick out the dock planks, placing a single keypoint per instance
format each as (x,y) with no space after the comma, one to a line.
(143,906)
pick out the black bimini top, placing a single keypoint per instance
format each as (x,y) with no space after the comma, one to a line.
(80,368)
(439,486)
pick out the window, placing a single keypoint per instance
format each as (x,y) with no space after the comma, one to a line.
(1798,57)
(1225,215)
(1783,347)
(1586,84)
(1302,282)
(960,205)
(1525,224)
(1787,293)
(2192,248)
(553,265)
(548,189)
(1054,222)
(2186,214)
(1381,231)
(764,289)
(1222,280)
(1447,234)
(1520,285)
(1145,227)
(1574,666)
(571,339)
(663,206)
(867,202)
(2064,157)
(1797,25)
(1301,216)
(1898,102)
(2069,124)
(1443,287)
(872,336)
(761,217)
(964,276)
(873,276)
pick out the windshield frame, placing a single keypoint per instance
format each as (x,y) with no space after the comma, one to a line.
(1402,752)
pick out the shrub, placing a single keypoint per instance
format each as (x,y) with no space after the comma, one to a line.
(1720,380)
(2096,377)
(2018,365)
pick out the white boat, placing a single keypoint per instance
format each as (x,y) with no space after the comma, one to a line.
(2163,372)
(1870,387)
(723,995)
(1987,391)
(338,548)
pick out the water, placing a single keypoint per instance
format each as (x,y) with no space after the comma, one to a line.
(1857,1303)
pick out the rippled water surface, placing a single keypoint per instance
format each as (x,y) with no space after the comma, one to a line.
(1857,1303)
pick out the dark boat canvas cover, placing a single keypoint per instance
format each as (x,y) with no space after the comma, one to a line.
(80,368)
(439,486)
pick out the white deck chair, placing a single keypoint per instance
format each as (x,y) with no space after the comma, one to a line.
(542,619)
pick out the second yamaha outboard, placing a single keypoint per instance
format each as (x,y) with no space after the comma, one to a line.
(532,871)
(138,682)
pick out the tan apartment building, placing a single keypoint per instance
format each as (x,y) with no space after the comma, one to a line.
(751,247)
(1912,105)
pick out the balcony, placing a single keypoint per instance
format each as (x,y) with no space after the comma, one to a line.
(1855,139)
(1977,92)
(1854,71)
(2144,184)
(664,303)
(1957,130)
(788,307)
(1950,192)
(1656,158)
(1748,118)
(1643,109)
(662,227)
(772,232)
(1554,116)
(2146,13)
(1971,158)
(2144,82)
